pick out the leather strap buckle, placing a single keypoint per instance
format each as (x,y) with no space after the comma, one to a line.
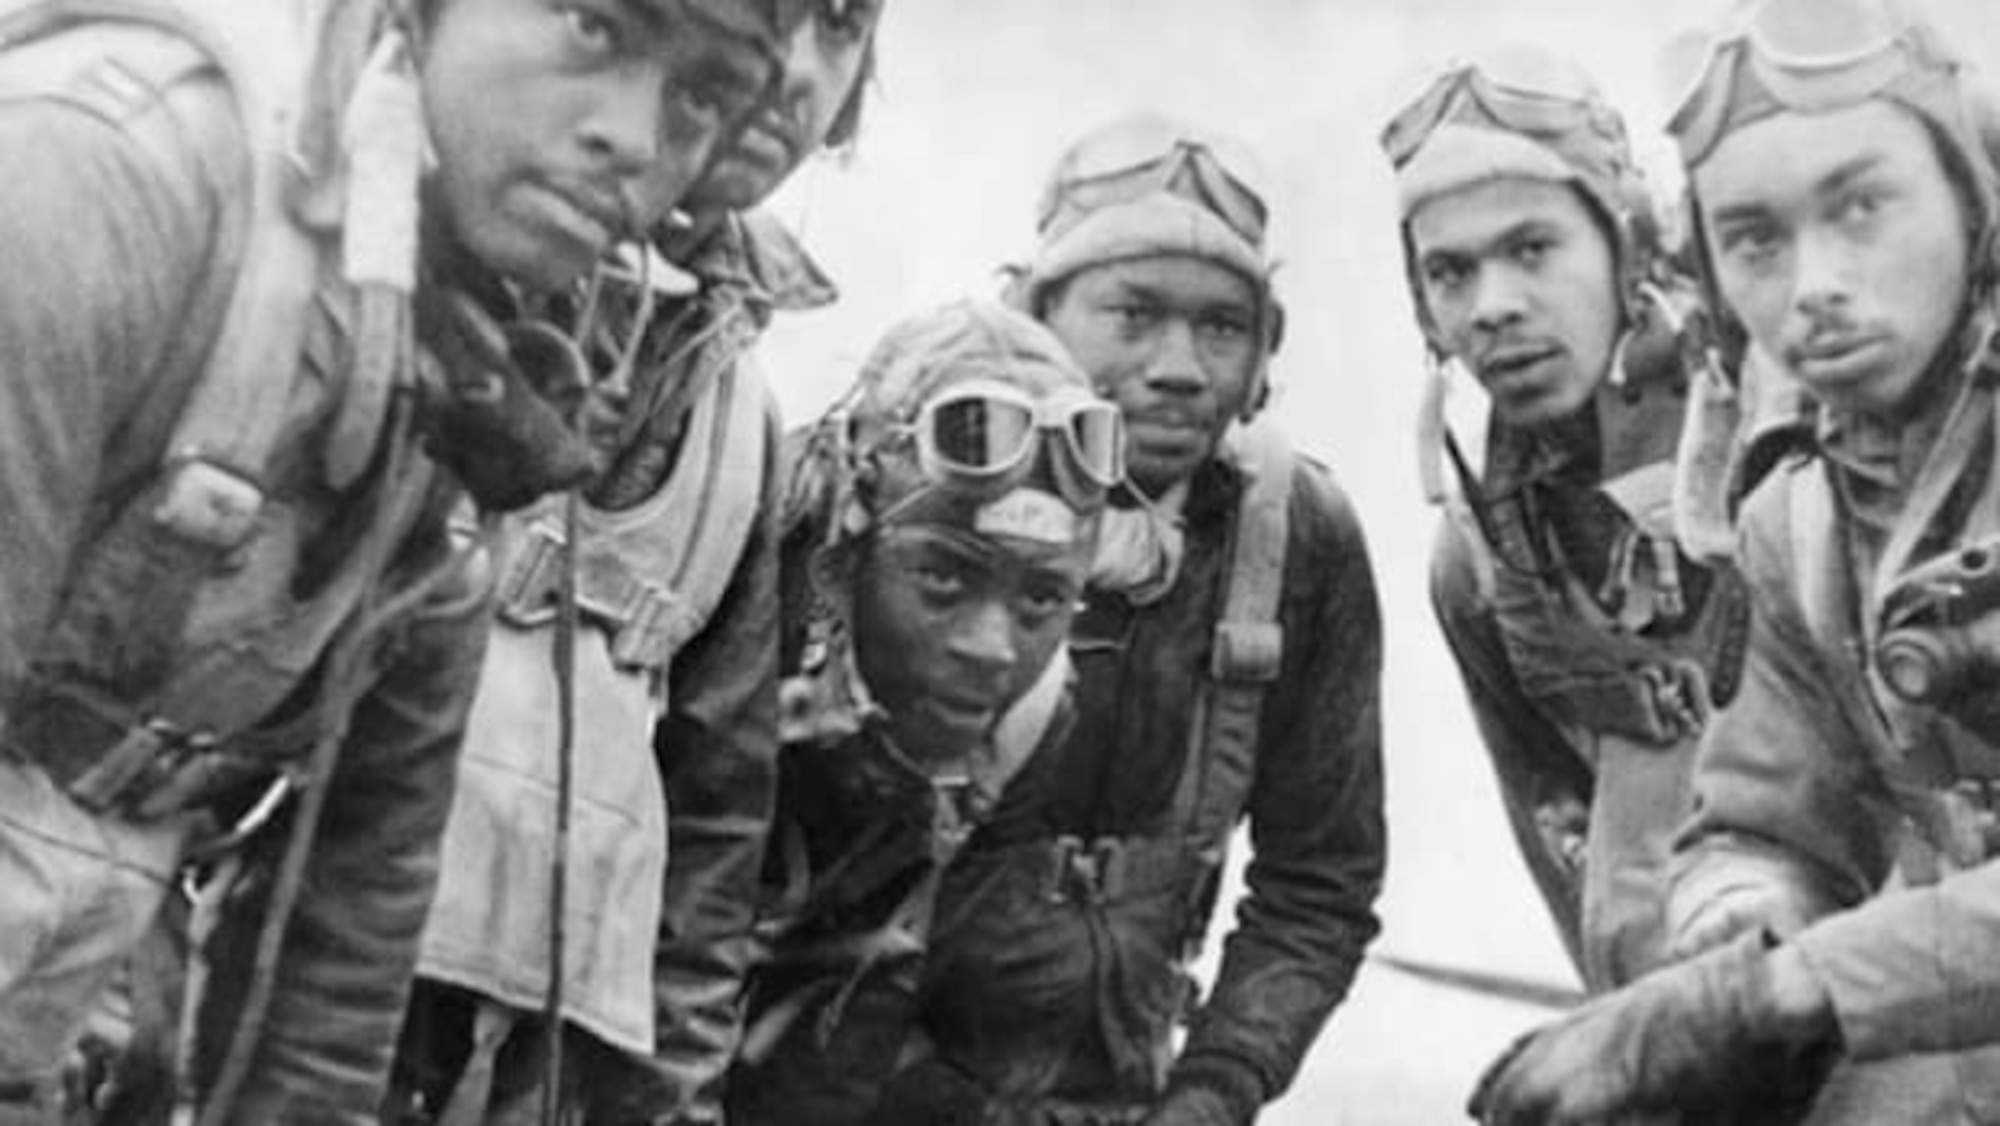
(141,762)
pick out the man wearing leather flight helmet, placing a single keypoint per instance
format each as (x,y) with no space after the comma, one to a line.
(234,426)
(1592,645)
(1228,669)
(1839,875)
(940,529)
(673,755)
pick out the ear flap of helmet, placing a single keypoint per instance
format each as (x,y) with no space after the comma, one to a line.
(1271,334)
(1425,325)
(847,123)
(1274,324)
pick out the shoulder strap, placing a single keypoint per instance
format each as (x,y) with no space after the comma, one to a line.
(224,437)
(725,443)
(654,574)
(1249,644)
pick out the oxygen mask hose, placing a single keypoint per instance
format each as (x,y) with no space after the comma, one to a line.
(567,622)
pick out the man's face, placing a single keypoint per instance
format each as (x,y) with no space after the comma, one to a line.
(1520,281)
(1174,341)
(564,125)
(951,627)
(822,62)
(1838,241)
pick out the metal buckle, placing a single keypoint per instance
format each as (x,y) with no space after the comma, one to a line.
(1107,869)
(1673,699)
(144,758)
(526,591)
(1091,873)
(1055,880)
(642,633)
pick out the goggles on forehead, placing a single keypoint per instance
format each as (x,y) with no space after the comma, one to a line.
(1809,57)
(983,431)
(1519,92)
(1137,159)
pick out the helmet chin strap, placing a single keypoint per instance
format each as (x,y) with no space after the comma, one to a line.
(1270,334)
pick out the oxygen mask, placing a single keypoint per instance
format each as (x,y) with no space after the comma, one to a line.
(517,408)
(1940,640)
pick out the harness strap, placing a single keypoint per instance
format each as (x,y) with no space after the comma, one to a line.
(345,685)
(567,624)
(1248,651)
(223,441)
(652,575)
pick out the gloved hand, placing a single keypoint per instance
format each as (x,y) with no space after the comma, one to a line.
(1209,1090)
(1706,1036)
(1752,905)
(931,1092)
(1193,1106)
(496,415)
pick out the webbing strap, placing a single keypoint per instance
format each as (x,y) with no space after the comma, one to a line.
(1249,645)
(237,410)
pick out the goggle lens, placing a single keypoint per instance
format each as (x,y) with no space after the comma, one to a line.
(1096,434)
(982,434)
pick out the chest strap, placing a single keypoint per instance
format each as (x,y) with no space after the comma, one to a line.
(652,575)
(1249,646)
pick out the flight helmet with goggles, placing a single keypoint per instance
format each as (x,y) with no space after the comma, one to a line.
(985,432)
(1521,112)
(970,417)
(962,408)
(1814,56)
(1146,185)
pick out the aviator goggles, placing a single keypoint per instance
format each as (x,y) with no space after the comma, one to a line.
(1518,92)
(1140,158)
(984,431)
(1810,57)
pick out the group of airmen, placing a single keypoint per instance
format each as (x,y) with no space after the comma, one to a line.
(436,688)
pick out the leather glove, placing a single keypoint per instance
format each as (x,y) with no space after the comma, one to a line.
(1193,1106)
(1209,1091)
(1705,1037)
(494,412)
(931,1092)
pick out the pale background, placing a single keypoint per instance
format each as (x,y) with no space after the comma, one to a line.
(974,100)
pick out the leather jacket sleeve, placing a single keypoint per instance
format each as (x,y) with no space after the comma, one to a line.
(1786,791)
(350,949)
(1911,972)
(1791,795)
(718,749)
(1315,812)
